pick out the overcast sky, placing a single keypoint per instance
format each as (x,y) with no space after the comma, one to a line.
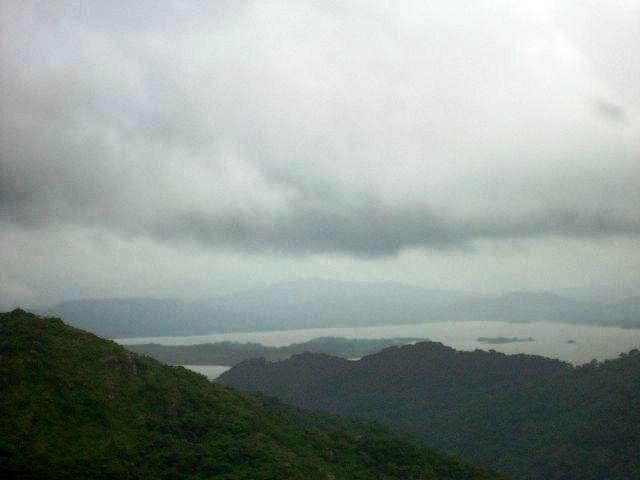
(191,149)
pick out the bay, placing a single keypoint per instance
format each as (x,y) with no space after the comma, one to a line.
(576,344)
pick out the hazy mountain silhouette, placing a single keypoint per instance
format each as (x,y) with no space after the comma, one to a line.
(326,303)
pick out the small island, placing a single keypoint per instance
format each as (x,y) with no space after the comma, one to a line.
(501,340)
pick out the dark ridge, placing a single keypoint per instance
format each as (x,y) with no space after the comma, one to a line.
(531,417)
(75,406)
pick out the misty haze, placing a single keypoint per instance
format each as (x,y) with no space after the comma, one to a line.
(320,240)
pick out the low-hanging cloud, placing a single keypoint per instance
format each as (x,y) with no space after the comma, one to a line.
(609,110)
(313,127)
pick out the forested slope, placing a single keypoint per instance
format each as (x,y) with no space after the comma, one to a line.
(74,406)
(528,416)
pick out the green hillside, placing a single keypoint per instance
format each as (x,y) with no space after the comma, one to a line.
(530,417)
(73,405)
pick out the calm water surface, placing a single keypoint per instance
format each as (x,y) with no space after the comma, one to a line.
(551,338)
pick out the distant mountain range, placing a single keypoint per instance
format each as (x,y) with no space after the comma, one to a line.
(131,317)
(529,417)
(324,303)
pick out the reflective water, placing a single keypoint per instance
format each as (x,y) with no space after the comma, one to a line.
(551,339)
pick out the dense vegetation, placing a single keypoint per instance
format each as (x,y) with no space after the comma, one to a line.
(528,416)
(74,406)
(231,353)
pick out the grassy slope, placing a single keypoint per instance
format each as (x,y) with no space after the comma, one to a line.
(75,406)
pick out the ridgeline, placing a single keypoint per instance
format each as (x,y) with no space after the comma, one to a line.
(75,406)
(527,416)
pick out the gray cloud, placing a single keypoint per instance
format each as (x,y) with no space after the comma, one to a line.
(320,127)
(609,110)
(365,232)
(371,231)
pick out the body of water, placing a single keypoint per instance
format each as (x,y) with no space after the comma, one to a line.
(552,339)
